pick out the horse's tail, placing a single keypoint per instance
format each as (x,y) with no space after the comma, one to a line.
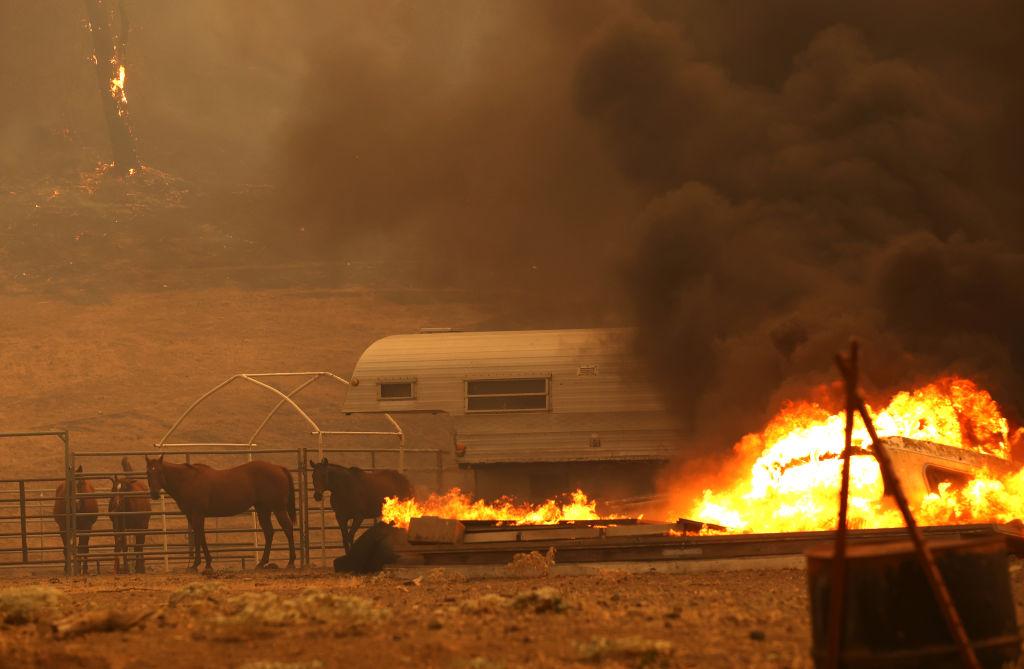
(291,496)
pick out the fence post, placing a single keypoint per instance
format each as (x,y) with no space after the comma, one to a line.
(71,527)
(300,473)
(163,523)
(24,521)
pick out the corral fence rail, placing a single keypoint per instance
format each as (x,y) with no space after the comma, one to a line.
(29,508)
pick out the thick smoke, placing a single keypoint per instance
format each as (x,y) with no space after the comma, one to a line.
(816,172)
(445,134)
(773,177)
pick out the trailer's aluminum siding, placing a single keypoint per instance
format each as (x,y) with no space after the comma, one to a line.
(601,403)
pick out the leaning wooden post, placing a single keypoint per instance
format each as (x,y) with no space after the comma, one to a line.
(838,599)
(924,554)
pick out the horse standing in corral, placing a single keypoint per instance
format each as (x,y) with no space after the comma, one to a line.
(356,494)
(203,492)
(86,513)
(129,511)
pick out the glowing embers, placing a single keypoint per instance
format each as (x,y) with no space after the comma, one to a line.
(786,478)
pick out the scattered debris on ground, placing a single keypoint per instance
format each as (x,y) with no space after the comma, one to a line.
(107,620)
(532,564)
(19,606)
(541,600)
(271,664)
(635,651)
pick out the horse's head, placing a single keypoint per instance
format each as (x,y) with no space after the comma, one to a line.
(320,470)
(155,475)
(81,484)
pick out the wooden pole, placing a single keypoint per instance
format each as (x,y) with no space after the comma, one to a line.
(838,599)
(924,554)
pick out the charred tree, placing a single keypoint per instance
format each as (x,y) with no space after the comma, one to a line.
(109,57)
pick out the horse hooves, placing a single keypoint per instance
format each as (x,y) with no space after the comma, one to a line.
(269,565)
(207,571)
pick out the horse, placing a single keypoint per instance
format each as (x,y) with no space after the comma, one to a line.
(371,551)
(356,494)
(129,511)
(86,513)
(203,492)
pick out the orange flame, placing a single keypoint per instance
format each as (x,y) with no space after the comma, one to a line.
(786,478)
(118,92)
(456,504)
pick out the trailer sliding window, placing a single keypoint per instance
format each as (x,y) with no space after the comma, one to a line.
(507,395)
(396,390)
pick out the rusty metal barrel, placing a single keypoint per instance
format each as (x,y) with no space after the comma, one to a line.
(891,617)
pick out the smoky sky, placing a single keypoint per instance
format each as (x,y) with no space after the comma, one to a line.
(749,183)
(816,172)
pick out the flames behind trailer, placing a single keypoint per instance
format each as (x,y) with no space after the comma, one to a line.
(535,413)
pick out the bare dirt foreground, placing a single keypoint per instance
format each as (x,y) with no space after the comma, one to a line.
(423,619)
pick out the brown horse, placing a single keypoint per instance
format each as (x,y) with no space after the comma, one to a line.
(356,494)
(203,492)
(86,513)
(129,511)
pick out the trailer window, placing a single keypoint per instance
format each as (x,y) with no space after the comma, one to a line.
(402,390)
(507,395)
(936,475)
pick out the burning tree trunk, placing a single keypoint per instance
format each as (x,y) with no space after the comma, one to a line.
(109,57)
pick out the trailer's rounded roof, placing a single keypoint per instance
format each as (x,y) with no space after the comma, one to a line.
(513,348)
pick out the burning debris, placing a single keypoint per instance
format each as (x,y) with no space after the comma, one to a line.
(457,505)
(785,478)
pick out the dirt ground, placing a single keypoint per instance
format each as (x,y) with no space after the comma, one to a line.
(426,619)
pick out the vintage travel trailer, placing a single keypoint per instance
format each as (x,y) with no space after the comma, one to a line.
(540,412)
(534,413)
(922,466)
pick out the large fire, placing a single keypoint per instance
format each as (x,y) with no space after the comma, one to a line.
(456,504)
(786,478)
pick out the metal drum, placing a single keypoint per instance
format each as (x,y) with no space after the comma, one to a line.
(892,618)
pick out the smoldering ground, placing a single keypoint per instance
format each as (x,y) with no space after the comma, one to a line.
(751,185)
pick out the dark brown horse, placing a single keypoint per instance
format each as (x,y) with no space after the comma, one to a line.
(129,511)
(203,492)
(356,494)
(86,513)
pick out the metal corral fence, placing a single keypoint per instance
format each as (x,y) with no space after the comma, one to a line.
(30,536)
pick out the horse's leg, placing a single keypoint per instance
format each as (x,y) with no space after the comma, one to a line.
(268,536)
(357,522)
(341,526)
(140,558)
(83,550)
(120,548)
(194,520)
(286,526)
(201,532)
(345,541)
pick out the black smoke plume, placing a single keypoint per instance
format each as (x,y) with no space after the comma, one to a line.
(817,171)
